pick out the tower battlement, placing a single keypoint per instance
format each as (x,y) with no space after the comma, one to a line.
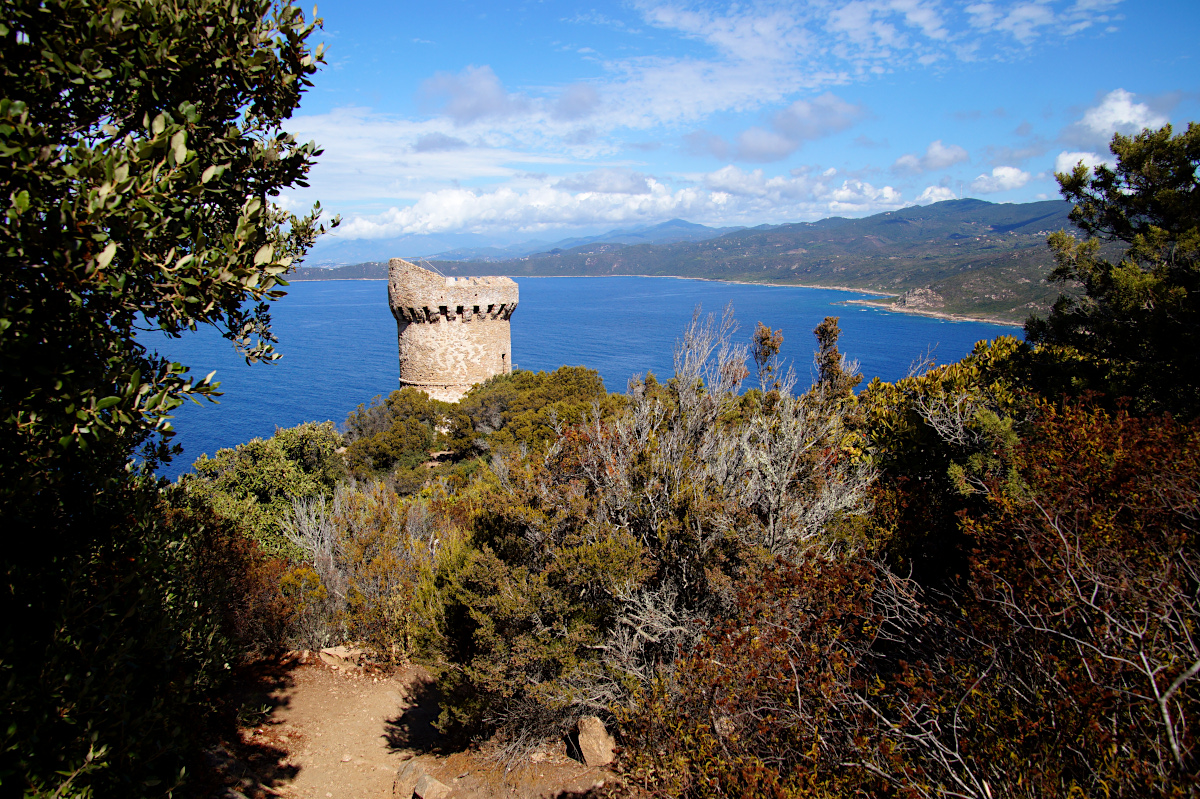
(453,332)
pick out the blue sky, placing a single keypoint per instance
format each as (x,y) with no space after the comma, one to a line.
(539,119)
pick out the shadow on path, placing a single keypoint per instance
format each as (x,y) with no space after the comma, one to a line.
(413,729)
(248,763)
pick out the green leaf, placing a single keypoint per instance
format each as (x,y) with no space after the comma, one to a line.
(106,255)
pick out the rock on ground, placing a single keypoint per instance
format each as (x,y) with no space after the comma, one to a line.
(595,744)
(429,788)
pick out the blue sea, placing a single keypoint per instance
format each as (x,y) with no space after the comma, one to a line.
(338,341)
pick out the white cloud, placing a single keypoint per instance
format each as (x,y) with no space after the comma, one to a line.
(805,120)
(1003,178)
(741,34)
(766,54)
(937,156)
(857,196)
(941,156)
(756,144)
(871,29)
(579,100)
(473,94)
(1118,113)
(1028,20)
(801,121)
(607,197)
(935,194)
(538,208)
(608,181)
(372,159)
(1066,161)
(438,142)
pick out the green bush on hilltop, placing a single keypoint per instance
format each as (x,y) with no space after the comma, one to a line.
(393,434)
(395,438)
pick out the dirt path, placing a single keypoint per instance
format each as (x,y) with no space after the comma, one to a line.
(347,733)
(338,731)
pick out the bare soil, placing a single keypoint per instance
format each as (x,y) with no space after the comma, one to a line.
(330,732)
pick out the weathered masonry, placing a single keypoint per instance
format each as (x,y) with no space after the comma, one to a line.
(453,332)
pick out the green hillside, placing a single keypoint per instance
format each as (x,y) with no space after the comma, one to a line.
(964,257)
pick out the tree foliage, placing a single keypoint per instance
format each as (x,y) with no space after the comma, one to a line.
(141,150)
(1136,330)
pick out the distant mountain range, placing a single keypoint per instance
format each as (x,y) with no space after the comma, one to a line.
(964,257)
(334,251)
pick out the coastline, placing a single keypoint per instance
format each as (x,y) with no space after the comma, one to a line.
(873,303)
(949,317)
(872,292)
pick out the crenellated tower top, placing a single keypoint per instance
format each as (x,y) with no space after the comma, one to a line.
(453,332)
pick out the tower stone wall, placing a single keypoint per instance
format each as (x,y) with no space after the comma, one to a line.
(453,331)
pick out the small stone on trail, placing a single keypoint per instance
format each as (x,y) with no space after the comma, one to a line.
(345,758)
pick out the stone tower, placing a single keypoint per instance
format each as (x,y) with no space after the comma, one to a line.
(453,331)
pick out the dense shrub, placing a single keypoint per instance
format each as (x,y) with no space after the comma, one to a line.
(598,556)
(768,703)
(254,484)
(525,408)
(937,438)
(395,436)
(369,566)
(1064,663)
(108,683)
(1094,576)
